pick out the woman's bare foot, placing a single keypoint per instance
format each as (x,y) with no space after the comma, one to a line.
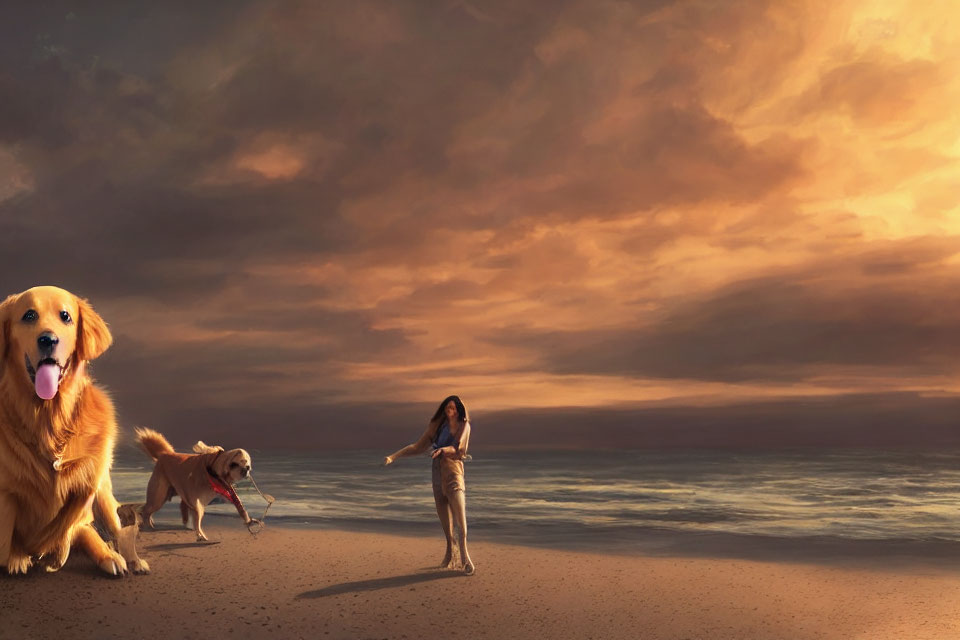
(448,561)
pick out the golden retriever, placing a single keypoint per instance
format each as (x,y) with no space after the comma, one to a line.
(57,432)
(197,478)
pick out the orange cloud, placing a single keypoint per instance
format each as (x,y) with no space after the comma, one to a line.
(275,163)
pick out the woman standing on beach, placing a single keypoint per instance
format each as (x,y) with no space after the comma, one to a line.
(449,434)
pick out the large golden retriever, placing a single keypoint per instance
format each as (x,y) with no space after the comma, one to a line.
(57,432)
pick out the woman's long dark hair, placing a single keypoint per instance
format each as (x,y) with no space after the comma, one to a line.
(440,413)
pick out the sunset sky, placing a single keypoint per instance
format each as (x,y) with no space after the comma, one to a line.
(598,222)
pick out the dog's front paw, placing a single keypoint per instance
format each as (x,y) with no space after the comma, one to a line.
(140,566)
(54,561)
(113,564)
(18,563)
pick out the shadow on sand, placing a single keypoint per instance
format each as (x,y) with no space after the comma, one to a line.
(380,583)
(164,528)
(174,546)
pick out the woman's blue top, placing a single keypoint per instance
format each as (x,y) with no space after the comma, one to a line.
(444,439)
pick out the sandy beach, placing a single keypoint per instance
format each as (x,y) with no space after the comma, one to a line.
(291,583)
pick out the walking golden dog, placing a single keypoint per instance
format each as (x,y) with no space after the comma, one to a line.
(57,433)
(197,478)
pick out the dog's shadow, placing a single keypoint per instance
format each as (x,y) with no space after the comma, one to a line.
(174,546)
(380,583)
(163,528)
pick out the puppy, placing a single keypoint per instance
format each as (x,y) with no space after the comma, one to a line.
(130,521)
(57,433)
(197,478)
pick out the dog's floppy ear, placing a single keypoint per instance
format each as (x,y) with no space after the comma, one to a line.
(5,330)
(93,336)
(202,447)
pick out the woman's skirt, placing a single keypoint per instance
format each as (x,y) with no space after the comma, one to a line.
(447,477)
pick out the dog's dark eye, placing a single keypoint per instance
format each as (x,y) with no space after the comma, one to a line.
(233,464)
(65,316)
(30,316)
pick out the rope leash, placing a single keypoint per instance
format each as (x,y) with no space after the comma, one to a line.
(253,521)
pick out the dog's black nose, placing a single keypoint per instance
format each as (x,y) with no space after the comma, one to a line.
(246,470)
(47,342)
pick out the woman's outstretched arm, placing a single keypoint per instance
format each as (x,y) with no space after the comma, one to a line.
(419,446)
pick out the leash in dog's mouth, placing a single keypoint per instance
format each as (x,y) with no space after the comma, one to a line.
(269,499)
(226,490)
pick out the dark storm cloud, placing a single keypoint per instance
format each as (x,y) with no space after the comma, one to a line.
(118,135)
(116,145)
(670,156)
(225,386)
(352,329)
(145,240)
(247,357)
(783,327)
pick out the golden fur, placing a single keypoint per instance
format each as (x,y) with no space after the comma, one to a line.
(186,475)
(45,511)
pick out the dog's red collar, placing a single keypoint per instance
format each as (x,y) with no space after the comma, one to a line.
(220,486)
(227,491)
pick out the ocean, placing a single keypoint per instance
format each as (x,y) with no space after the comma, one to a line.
(610,501)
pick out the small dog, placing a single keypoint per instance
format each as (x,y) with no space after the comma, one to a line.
(130,521)
(197,478)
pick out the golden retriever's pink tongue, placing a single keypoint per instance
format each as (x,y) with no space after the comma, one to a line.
(47,380)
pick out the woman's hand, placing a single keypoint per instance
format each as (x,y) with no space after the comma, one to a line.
(387,461)
(444,451)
